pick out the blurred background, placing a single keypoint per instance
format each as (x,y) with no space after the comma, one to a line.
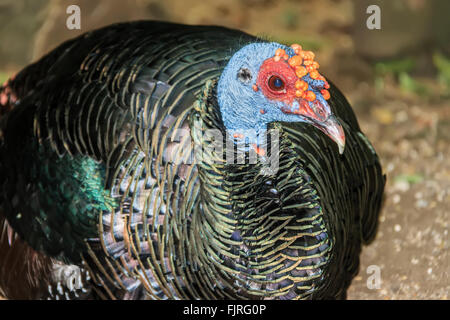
(396,78)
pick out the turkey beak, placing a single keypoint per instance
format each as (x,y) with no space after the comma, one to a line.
(316,114)
(332,128)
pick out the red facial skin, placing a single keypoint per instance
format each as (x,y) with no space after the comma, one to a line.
(281,69)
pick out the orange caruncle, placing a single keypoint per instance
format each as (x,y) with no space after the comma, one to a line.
(296,47)
(280,52)
(309,55)
(300,84)
(295,61)
(325,93)
(300,71)
(309,68)
(314,74)
(310,96)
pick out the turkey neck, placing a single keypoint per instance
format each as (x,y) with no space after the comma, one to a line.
(254,231)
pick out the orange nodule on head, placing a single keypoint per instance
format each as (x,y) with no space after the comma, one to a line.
(310,68)
(308,55)
(296,47)
(301,85)
(280,52)
(300,71)
(295,61)
(325,93)
(314,74)
(310,96)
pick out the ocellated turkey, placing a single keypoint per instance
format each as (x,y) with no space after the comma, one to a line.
(112,185)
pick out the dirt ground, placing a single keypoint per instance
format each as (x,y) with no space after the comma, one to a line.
(412,244)
(410,130)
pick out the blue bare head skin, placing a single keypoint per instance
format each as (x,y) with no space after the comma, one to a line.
(241,106)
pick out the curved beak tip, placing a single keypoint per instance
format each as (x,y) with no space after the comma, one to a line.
(341,147)
(330,126)
(335,131)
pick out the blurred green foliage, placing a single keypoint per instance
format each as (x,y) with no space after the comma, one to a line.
(442,64)
(410,178)
(3,77)
(394,66)
(289,18)
(409,84)
(398,68)
(401,70)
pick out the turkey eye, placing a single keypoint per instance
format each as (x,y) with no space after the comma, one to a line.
(276,83)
